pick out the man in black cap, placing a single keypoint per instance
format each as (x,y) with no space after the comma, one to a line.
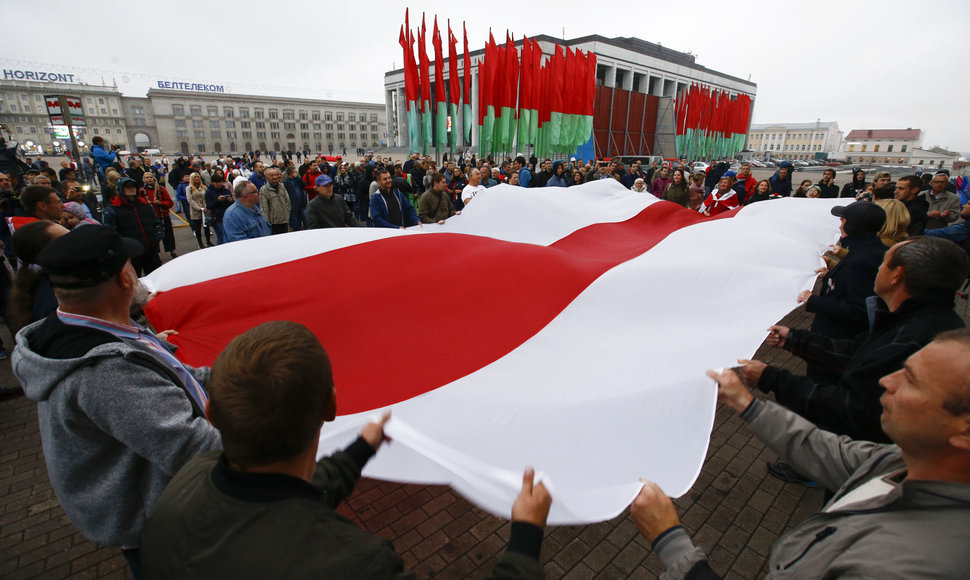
(840,306)
(915,285)
(119,414)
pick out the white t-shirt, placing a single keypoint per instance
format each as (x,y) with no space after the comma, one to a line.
(471,191)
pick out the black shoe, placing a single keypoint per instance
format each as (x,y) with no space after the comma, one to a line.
(786,473)
(10,392)
(173,255)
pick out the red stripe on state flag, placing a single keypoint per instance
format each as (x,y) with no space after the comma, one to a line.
(403,316)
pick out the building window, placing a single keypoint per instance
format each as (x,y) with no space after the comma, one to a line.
(230,124)
(100,101)
(288,115)
(180,133)
(247,134)
(340,126)
(258,113)
(260,124)
(316,115)
(216,134)
(851,147)
(195,110)
(138,110)
(274,125)
(904,148)
(373,118)
(316,126)
(864,147)
(889,149)
(243,113)
(201,147)
(113,111)
(213,123)
(199,134)
(231,134)
(329,135)
(340,135)
(212,111)
(261,134)
(340,116)
(104,111)
(351,117)
(303,115)
(197,122)
(289,126)
(179,122)
(274,114)
(245,124)
(304,135)
(274,134)
(328,116)
(228,112)
(876,148)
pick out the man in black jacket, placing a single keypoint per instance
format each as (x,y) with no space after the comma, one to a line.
(840,306)
(907,191)
(916,282)
(266,507)
(135,218)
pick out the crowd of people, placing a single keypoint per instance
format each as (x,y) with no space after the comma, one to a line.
(173,464)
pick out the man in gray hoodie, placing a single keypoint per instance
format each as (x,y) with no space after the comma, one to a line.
(119,414)
(899,511)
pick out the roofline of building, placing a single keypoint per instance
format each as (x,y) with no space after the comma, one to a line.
(295,100)
(641,46)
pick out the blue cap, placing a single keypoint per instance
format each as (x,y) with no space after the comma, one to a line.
(323,180)
(729,174)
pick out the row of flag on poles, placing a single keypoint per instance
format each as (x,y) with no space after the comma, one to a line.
(711,124)
(523,98)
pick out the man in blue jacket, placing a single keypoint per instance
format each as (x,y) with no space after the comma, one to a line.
(101,155)
(389,208)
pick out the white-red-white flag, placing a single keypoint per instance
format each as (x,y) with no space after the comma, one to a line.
(568,329)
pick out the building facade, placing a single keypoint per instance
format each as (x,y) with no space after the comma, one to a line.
(228,123)
(187,121)
(796,141)
(24,110)
(637,74)
(884,146)
(934,158)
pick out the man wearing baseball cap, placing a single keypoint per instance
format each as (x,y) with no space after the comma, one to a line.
(327,210)
(119,414)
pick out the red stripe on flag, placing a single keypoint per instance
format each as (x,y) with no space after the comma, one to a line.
(403,316)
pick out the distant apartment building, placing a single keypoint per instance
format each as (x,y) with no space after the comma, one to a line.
(794,140)
(884,146)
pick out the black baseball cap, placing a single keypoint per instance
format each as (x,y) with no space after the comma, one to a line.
(87,256)
(861,216)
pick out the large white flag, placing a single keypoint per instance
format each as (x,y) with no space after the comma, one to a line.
(568,329)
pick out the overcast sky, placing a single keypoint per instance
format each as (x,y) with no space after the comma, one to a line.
(888,64)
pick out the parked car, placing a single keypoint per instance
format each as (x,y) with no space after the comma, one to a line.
(833,163)
(699,166)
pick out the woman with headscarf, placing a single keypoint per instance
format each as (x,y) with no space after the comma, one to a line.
(639,186)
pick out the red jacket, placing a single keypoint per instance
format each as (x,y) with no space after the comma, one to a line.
(310,179)
(165,200)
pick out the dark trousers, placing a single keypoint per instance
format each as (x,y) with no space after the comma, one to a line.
(279,228)
(168,234)
(133,556)
(147,263)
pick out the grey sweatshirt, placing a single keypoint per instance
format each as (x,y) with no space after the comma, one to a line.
(116,424)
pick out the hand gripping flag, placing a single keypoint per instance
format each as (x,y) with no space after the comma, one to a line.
(568,330)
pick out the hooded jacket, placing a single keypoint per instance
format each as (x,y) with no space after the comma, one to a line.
(116,423)
(135,219)
(856,186)
(781,186)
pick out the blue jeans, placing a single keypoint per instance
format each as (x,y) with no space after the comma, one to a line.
(220,233)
